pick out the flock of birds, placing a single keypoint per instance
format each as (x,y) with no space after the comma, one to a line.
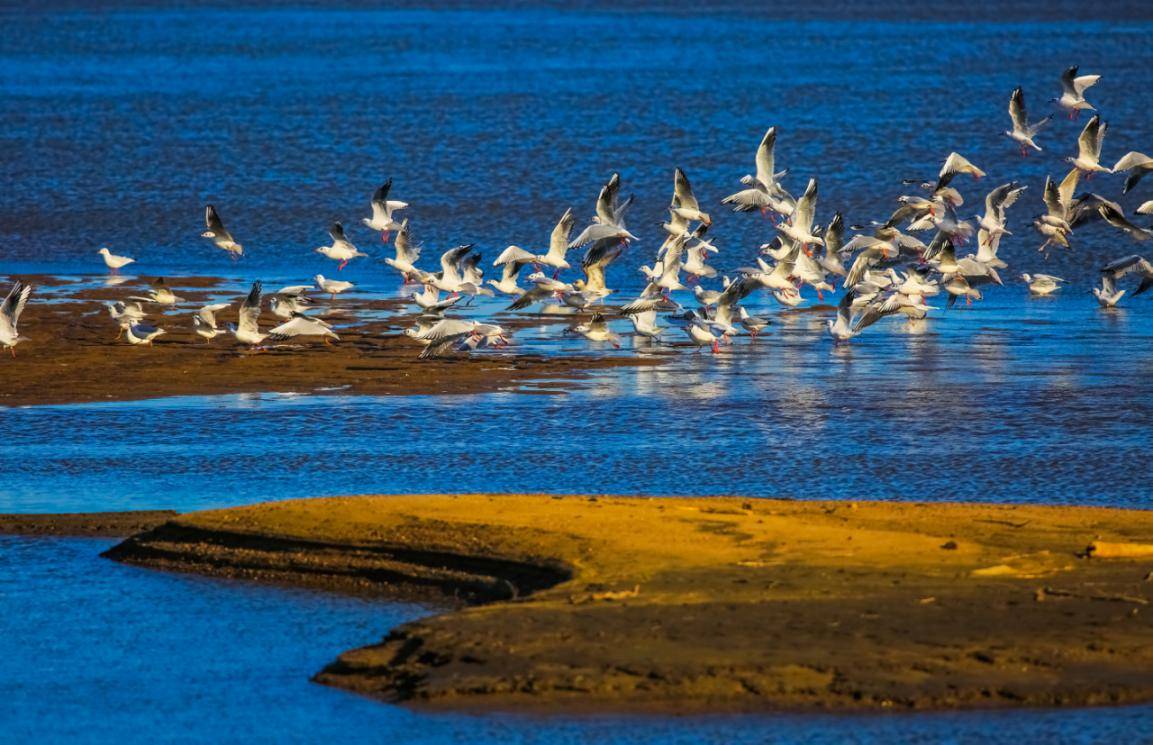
(884,269)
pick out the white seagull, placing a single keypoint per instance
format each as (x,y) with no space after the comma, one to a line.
(331,287)
(10,311)
(204,322)
(219,234)
(382,209)
(1073,87)
(1023,132)
(341,249)
(114,262)
(247,328)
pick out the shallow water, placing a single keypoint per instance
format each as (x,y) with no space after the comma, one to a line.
(119,121)
(97,651)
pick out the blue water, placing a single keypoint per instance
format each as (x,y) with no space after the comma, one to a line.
(119,121)
(100,652)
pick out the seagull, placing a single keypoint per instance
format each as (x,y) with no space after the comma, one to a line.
(800,224)
(996,202)
(685,203)
(1023,132)
(753,324)
(429,300)
(331,287)
(1089,148)
(114,262)
(1131,265)
(290,301)
(609,220)
(1042,284)
(1055,225)
(301,325)
(247,329)
(219,234)
(143,333)
(1116,218)
(159,294)
(764,192)
(406,255)
(454,334)
(701,334)
(1107,294)
(1073,87)
(1139,164)
(204,322)
(841,329)
(10,311)
(645,324)
(125,314)
(597,329)
(382,209)
(341,249)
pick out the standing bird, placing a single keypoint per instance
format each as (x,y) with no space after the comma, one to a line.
(247,328)
(1023,132)
(1073,87)
(10,311)
(341,249)
(1089,148)
(114,262)
(204,322)
(143,333)
(382,209)
(332,287)
(219,234)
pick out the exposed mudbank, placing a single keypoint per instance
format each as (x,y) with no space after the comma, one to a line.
(710,604)
(84,524)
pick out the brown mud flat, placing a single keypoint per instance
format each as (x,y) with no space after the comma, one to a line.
(85,524)
(73,356)
(723,604)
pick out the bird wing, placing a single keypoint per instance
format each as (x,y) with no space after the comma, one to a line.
(514,255)
(336,232)
(1067,81)
(766,158)
(835,235)
(1133,160)
(1066,189)
(249,317)
(683,191)
(1089,141)
(13,306)
(806,207)
(300,326)
(380,196)
(558,243)
(450,261)
(748,200)
(1116,218)
(607,200)
(213,221)
(1083,82)
(1017,110)
(405,251)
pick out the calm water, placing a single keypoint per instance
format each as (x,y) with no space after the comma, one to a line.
(118,122)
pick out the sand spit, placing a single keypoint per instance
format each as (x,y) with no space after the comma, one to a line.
(710,604)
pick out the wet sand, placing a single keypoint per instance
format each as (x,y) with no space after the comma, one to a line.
(73,355)
(85,524)
(673,605)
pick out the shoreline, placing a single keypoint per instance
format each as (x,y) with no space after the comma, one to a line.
(605,604)
(73,356)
